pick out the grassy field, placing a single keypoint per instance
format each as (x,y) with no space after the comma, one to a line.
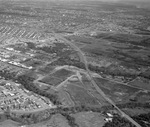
(119,93)
(46,69)
(56,120)
(62,74)
(81,96)
(140,83)
(53,81)
(136,111)
(57,77)
(65,98)
(33,63)
(9,123)
(89,119)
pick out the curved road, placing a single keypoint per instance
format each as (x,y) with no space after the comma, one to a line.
(93,82)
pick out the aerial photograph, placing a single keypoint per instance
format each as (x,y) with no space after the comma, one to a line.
(74,63)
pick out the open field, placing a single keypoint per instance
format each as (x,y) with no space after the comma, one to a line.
(56,120)
(120,93)
(51,80)
(89,119)
(136,111)
(57,77)
(141,83)
(9,123)
(81,96)
(62,74)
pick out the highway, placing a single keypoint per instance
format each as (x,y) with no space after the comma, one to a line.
(93,82)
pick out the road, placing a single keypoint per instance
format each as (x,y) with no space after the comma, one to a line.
(64,82)
(93,82)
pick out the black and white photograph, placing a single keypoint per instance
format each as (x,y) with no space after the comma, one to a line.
(74,63)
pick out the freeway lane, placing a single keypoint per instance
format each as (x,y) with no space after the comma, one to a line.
(93,82)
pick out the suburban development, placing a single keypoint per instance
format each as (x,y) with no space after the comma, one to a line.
(74,64)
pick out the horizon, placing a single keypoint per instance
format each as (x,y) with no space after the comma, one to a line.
(137,3)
